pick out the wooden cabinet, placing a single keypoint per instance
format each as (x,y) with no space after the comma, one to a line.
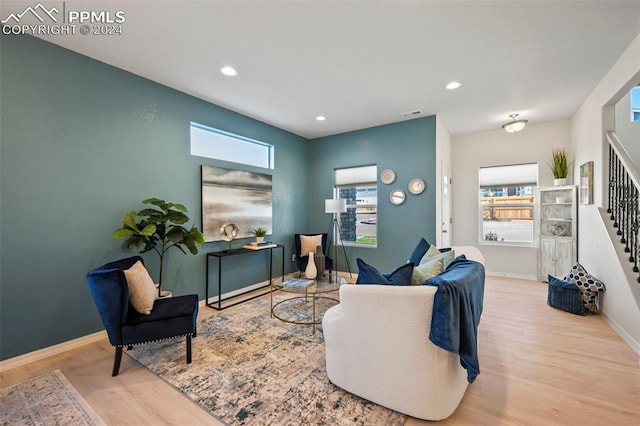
(558,249)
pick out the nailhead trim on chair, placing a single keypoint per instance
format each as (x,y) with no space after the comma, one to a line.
(151,341)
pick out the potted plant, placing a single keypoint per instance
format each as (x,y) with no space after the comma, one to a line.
(559,166)
(259,234)
(158,229)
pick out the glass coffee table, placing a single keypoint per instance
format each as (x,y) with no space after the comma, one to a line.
(309,294)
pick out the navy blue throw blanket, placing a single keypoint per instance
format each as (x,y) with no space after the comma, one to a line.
(456,311)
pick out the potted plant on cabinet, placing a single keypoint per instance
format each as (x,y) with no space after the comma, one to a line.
(259,234)
(158,230)
(559,166)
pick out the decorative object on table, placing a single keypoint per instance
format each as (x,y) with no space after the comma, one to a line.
(417,186)
(311,272)
(397,197)
(335,206)
(514,125)
(586,183)
(304,243)
(259,233)
(387,176)
(170,317)
(158,230)
(244,367)
(46,400)
(229,231)
(559,166)
(260,246)
(319,260)
(238,196)
(297,282)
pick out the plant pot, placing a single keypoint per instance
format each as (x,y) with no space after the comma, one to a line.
(259,239)
(560,182)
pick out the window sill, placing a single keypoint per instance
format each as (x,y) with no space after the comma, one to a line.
(350,244)
(507,244)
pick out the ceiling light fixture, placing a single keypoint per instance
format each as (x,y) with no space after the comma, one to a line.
(321,118)
(229,71)
(453,85)
(514,125)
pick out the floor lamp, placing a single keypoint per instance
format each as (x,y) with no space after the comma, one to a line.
(335,206)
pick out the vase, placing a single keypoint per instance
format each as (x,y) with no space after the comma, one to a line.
(319,261)
(311,272)
(560,182)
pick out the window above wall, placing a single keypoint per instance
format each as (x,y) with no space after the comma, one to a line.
(507,204)
(635,104)
(220,145)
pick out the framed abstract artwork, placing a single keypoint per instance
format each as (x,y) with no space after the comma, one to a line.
(236,197)
(586,183)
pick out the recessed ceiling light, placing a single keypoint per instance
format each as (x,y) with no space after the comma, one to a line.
(321,118)
(230,71)
(453,85)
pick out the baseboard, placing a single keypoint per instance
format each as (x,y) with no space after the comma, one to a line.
(635,345)
(43,353)
(515,276)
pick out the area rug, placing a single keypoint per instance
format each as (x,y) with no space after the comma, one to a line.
(249,368)
(46,400)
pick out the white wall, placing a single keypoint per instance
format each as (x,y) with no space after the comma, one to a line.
(443,160)
(628,131)
(495,148)
(621,302)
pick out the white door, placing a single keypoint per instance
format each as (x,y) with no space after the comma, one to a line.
(445,207)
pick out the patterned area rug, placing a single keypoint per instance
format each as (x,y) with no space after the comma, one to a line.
(249,368)
(46,400)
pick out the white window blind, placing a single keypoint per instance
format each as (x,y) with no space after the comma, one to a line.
(517,174)
(365,175)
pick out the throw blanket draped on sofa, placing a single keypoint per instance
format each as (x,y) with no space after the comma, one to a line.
(457,308)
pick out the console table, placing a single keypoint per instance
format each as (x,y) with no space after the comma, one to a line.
(237,252)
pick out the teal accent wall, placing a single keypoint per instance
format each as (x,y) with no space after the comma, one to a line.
(406,147)
(81,143)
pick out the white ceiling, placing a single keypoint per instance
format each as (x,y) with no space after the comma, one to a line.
(363,63)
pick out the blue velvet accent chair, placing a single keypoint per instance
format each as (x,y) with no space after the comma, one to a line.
(304,260)
(169,318)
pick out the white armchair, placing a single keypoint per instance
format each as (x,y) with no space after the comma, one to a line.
(378,347)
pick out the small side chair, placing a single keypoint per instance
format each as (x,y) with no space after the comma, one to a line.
(303,258)
(170,317)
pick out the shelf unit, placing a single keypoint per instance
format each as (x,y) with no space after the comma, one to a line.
(558,250)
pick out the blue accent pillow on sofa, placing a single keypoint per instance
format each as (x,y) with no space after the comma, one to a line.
(367,274)
(565,295)
(419,251)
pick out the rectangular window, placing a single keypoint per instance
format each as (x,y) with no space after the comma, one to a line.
(635,104)
(220,145)
(507,203)
(358,185)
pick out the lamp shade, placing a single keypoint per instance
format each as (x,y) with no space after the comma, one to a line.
(514,125)
(335,205)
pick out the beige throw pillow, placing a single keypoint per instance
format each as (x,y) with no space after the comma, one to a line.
(142,290)
(427,270)
(308,244)
(434,253)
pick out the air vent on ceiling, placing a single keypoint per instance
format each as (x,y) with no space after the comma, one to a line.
(409,113)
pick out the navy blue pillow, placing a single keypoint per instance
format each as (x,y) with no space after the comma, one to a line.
(564,295)
(419,251)
(458,259)
(367,274)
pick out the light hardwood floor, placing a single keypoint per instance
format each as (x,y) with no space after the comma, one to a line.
(539,366)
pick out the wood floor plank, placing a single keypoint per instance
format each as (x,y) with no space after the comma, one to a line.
(539,366)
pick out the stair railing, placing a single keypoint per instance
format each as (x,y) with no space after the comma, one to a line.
(623,198)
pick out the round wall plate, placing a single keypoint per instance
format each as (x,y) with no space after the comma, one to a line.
(416,186)
(397,197)
(387,176)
